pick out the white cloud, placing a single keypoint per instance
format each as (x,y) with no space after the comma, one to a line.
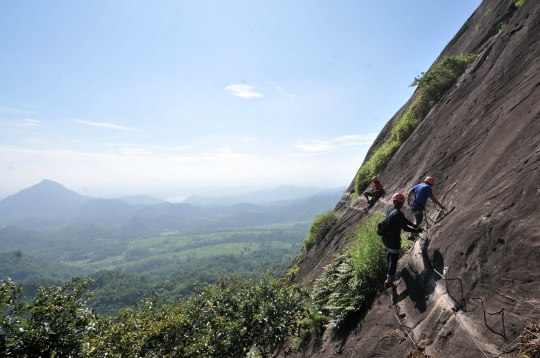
(104,125)
(178,148)
(280,90)
(249,139)
(14,110)
(31,122)
(318,145)
(243,91)
(48,109)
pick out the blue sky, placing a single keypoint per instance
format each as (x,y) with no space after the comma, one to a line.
(115,98)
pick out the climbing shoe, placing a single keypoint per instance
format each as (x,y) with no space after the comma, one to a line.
(389,282)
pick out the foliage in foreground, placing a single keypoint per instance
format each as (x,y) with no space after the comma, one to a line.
(351,278)
(53,324)
(229,319)
(529,341)
(319,228)
(431,87)
(519,3)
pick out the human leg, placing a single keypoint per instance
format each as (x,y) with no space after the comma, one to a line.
(392,257)
(367,194)
(418,218)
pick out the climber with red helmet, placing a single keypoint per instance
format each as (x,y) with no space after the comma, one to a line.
(421,192)
(395,222)
(376,191)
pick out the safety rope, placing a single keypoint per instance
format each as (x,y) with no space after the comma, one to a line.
(404,330)
(470,335)
(500,313)
(446,279)
(454,310)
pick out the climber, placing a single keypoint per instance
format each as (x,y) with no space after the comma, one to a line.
(421,192)
(396,221)
(376,191)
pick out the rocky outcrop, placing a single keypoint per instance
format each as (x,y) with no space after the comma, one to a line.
(482,144)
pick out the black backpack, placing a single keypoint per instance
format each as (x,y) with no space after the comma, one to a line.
(382,227)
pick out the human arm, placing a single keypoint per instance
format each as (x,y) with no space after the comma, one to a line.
(434,199)
(407,225)
(410,196)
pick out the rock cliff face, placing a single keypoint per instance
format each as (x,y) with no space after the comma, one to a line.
(482,144)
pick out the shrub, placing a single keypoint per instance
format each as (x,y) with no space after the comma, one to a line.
(348,282)
(529,341)
(501,29)
(54,323)
(319,228)
(431,87)
(228,319)
(519,3)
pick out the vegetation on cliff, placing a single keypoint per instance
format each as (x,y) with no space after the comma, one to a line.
(431,87)
(319,228)
(352,276)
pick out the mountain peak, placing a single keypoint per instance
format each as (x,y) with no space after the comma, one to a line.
(45,197)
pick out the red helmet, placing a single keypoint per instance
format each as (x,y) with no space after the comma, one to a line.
(430,180)
(374,179)
(400,198)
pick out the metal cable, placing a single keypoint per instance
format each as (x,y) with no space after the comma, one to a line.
(460,321)
(406,332)
(465,329)
(500,313)
(460,305)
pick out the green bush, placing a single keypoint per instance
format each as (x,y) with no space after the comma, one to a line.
(431,87)
(519,3)
(319,228)
(228,319)
(54,324)
(351,278)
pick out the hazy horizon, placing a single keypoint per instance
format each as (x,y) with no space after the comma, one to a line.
(123,98)
(180,194)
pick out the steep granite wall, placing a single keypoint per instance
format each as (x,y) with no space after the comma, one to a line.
(482,144)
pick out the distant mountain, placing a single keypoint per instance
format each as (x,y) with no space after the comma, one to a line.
(141,199)
(104,211)
(44,198)
(55,211)
(286,193)
(203,201)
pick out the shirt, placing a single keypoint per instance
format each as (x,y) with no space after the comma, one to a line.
(397,222)
(421,194)
(376,188)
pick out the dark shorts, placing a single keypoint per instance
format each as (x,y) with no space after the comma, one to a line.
(418,216)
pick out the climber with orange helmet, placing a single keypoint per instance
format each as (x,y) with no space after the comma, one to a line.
(395,222)
(421,192)
(376,191)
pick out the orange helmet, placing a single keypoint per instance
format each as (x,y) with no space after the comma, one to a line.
(374,179)
(400,198)
(430,180)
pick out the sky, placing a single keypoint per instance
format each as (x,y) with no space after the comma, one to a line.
(173,98)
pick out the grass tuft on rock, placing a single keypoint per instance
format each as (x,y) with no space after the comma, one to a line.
(319,228)
(351,278)
(519,3)
(431,87)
